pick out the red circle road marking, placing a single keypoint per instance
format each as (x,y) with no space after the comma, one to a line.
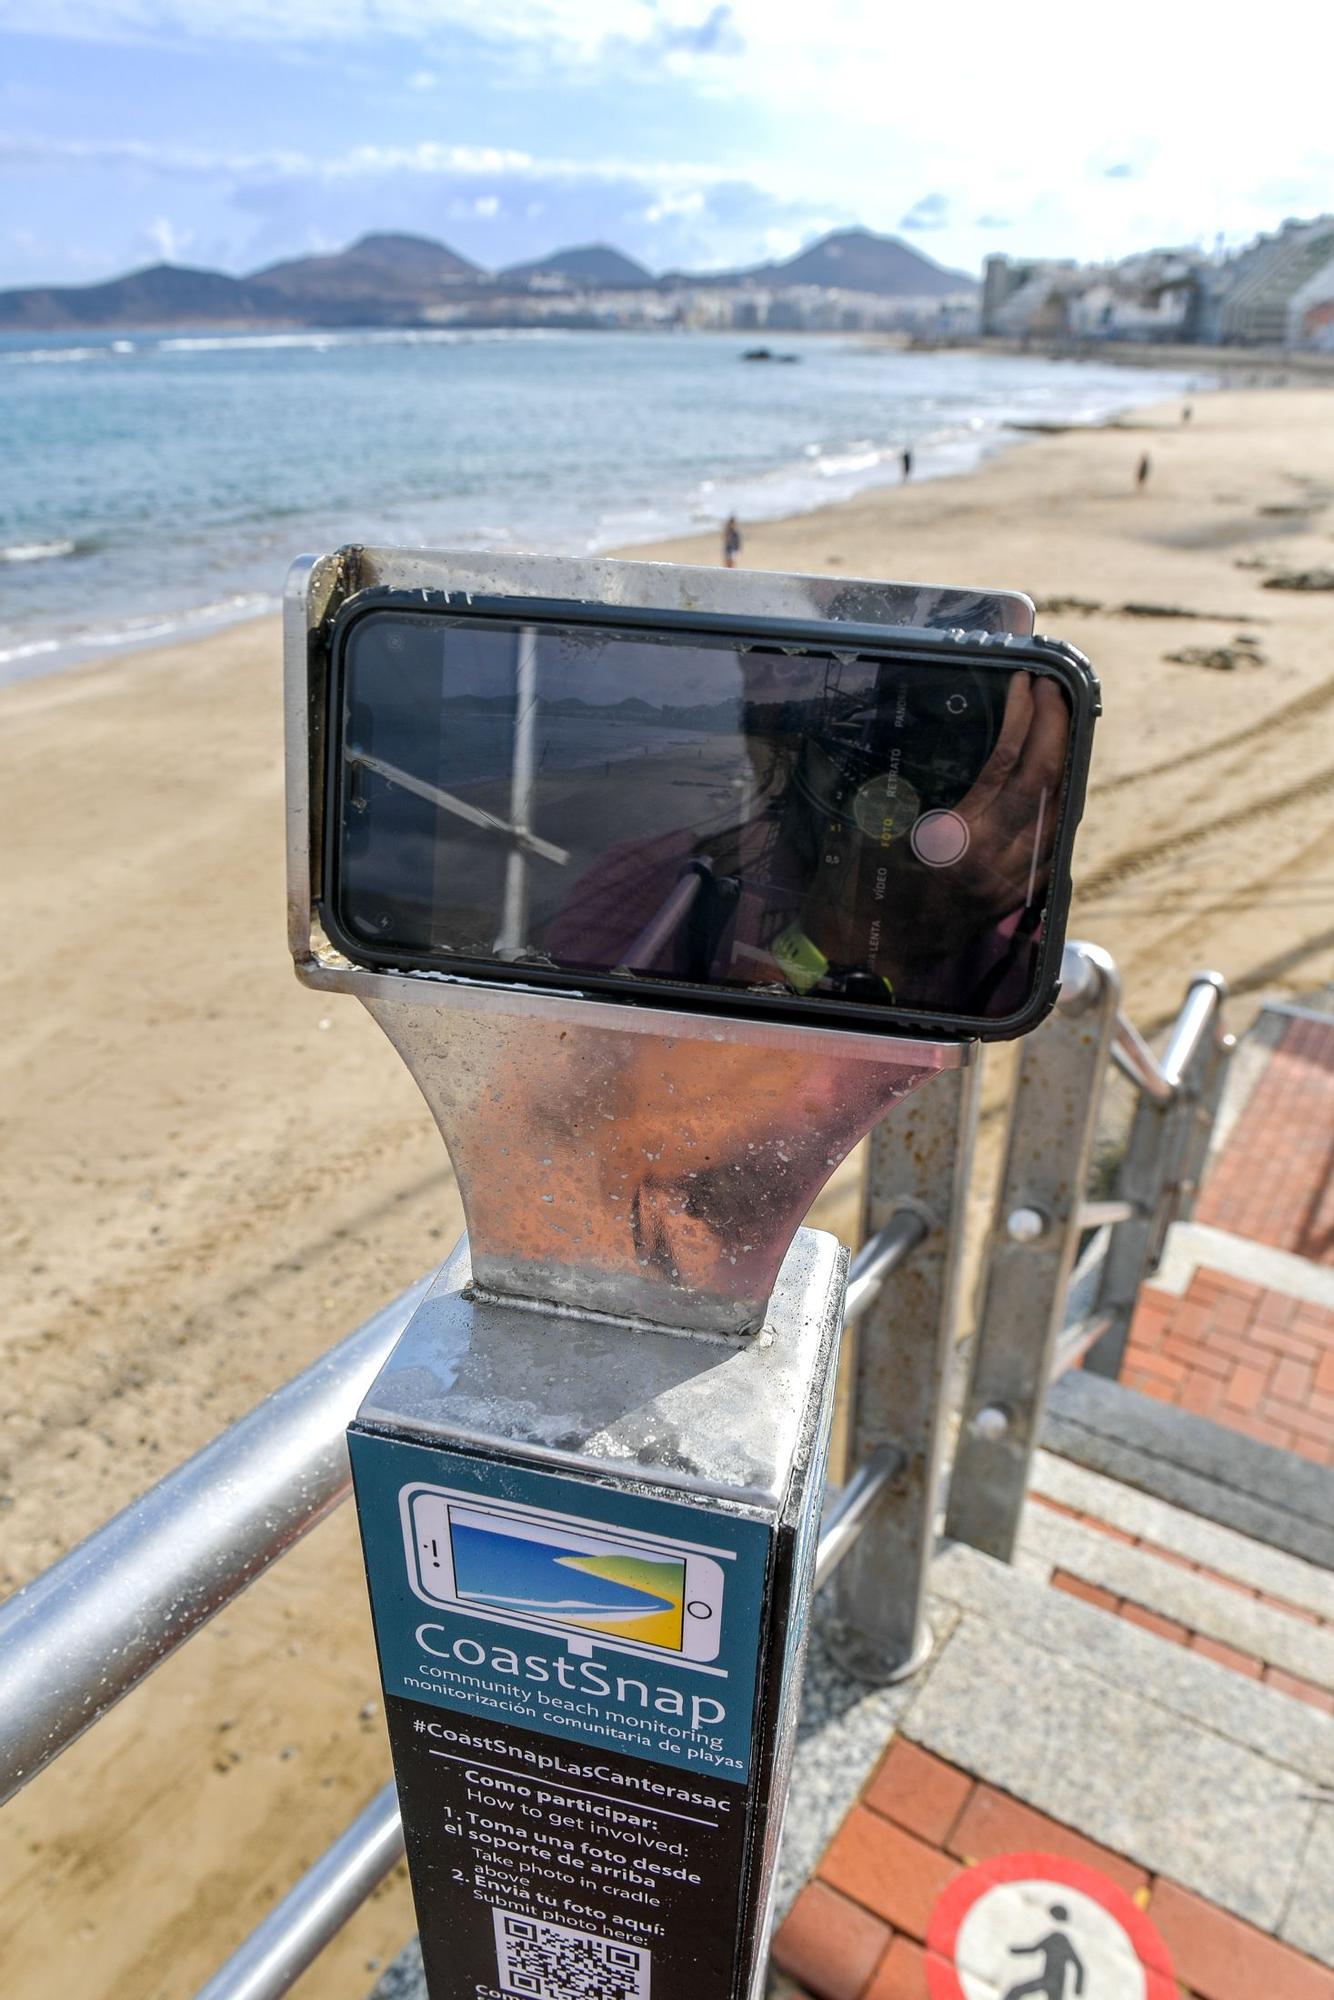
(965,1890)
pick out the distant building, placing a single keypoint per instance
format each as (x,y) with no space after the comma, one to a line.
(1152,296)
(1265,282)
(1317,326)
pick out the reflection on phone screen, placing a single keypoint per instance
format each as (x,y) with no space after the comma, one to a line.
(860,825)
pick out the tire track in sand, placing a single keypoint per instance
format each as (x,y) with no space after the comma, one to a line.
(1139,859)
(1298,710)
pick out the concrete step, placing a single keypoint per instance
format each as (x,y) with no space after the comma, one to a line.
(1156,1752)
(1064,1730)
(1178,1532)
(1181,1605)
(1167,1453)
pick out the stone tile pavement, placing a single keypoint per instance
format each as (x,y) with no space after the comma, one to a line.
(859,1930)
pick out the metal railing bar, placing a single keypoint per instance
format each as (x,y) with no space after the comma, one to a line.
(1096,1214)
(1135,1059)
(846,1509)
(81,1636)
(883,1253)
(1074,1342)
(1083,968)
(88,1630)
(315,1909)
(312,1913)
(1200,1016)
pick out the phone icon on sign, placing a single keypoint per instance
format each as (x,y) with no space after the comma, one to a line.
(593,1585)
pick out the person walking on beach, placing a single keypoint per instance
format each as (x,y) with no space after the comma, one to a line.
(731,542)
(1142,471)
(1058,1957)
(906,462)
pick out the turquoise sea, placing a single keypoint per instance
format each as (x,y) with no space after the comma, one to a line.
(153,484)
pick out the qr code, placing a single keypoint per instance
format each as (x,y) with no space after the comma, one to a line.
(546,1961)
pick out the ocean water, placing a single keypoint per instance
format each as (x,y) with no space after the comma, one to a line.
(154,484)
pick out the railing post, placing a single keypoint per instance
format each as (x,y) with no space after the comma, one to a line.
(920,1156)
(1031,1252)
(1163,1162)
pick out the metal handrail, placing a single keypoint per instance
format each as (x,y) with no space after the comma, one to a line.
(1200,1016)
(92,1627)
(89,1630)
(1135,1059)
(847,1506)
(80,1637)
(315,1909)
(880,1255)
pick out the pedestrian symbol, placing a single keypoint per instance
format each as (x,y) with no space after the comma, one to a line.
(1037,1927)
(1058,1957)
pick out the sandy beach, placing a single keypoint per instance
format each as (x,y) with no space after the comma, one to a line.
(210,1174)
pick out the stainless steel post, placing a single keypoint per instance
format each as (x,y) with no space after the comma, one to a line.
(1163,1160)
(1039,1216)
(920,1157)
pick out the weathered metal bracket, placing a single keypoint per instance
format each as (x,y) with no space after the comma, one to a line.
(651,1166)
(648,1165)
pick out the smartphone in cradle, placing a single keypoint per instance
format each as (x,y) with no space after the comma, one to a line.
(591,1586)
(808,821)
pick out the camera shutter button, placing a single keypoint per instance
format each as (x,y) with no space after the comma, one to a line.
(939,839)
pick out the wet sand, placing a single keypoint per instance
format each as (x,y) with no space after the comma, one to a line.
(210,1174)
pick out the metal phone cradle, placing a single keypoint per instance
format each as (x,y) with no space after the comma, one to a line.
(590,1476)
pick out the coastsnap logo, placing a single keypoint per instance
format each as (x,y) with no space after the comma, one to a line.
(592,1585)
(573,1677)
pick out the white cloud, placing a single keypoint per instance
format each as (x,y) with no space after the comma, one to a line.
(166,241)
(851,108)
(675,202)
(486,205)
(428,158)
(573,30)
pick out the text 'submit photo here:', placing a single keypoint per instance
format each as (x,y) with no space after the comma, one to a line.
(667,884)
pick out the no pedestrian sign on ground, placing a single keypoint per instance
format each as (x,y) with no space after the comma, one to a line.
(1036,1927)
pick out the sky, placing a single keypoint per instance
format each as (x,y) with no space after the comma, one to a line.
(689,133)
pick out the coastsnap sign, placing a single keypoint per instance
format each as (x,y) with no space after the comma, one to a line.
(1037,1927)
(570,1674)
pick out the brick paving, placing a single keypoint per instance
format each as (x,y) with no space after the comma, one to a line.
(1250,1357)
(1182,1635)
(1245,1355)
(1275,1180)
(1253,1359)
(859,1930)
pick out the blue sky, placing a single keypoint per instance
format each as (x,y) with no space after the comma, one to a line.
(689,132)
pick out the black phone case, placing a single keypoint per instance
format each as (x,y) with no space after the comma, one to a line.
(1042,655)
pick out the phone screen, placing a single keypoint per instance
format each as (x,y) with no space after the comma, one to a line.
(626,806)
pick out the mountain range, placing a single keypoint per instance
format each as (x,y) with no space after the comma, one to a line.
(397,280)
